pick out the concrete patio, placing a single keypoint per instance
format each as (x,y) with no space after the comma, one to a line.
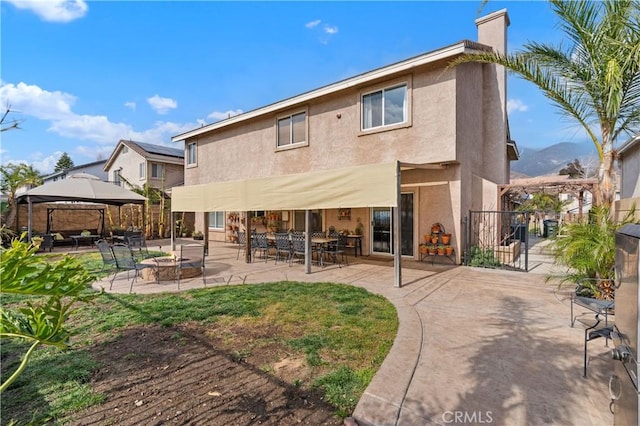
(474,346)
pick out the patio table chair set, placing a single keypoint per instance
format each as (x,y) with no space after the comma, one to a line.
(290,246)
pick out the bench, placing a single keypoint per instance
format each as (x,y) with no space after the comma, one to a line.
(63,238)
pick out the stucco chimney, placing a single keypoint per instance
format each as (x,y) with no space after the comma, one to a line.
(492,30)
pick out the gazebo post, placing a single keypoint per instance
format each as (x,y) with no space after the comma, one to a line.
(29,212)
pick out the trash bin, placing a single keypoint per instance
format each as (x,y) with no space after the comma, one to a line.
(519,232)
(550,228)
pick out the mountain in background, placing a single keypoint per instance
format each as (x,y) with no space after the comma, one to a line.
(549,160)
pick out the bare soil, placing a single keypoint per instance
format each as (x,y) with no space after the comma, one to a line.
(184,375)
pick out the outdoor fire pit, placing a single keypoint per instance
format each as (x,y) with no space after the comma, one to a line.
(166,269)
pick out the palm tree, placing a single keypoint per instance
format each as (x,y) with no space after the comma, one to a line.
(12,178)
(594,79)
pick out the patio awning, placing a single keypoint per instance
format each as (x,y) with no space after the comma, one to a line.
(374,185)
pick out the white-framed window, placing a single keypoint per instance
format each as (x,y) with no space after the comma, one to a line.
(292,129)
(143,170)
(384,107)
(157,170)
(192,154)
(216,220)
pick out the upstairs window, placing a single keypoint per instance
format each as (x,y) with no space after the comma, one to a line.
(292,130)
(143,171)
(384,107)
(192,154)
(116,177)
(157,170)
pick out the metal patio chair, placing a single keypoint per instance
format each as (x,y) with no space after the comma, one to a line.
(336,251)
(283,246)
(242,242)
(191,256)
(126,261)
(262,245)
(108,261)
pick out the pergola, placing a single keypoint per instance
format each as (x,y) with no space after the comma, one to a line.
(553,185)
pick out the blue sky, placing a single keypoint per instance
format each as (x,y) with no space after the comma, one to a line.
(83,75)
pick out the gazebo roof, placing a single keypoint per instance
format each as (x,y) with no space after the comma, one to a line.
(81,187)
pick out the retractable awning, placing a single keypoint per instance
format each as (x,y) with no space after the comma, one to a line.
(374,185)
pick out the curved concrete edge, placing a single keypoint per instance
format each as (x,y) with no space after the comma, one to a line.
(381,402)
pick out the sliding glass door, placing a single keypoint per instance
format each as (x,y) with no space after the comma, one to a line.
(382,227)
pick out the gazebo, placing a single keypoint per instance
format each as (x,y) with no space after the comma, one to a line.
(80,187)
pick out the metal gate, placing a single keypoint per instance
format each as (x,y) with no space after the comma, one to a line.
(497,239)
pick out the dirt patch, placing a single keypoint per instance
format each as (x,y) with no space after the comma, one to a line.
(181,375)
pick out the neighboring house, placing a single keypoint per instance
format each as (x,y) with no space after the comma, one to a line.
(629,163)
(443,130)
(95,168)
(143,163)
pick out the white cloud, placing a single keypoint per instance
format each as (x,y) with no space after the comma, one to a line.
(331,29)
(36,102)
(54,10)
(313,23)
(130,105)
(516,105)
(162,105)
(55,108)
(217,115)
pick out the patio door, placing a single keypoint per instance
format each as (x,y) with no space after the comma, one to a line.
(382,227)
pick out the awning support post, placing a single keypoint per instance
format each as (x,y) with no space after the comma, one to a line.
(307,241)
(397,237)
(248,242)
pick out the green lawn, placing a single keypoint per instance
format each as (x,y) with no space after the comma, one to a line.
(343,332)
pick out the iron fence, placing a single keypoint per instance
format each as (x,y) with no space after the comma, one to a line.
(497,239)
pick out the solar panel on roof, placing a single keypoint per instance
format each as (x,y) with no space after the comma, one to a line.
(161,150)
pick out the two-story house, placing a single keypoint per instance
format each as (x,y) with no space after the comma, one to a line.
(144,163)
(629,162)
(95,168)
(395,150)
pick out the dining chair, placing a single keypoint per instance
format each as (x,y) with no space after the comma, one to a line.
(336,251)
(298,249)
(283,246)
(262,245)
(242,242)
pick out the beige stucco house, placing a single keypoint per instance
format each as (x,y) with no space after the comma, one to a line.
(144,163)
(629,162)
(415,140)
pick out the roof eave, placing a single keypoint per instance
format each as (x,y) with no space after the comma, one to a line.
(463,47)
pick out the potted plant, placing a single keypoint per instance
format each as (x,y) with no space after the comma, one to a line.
(587,251)
(431,250)
(448,250)
(440,249)
(198,235)
(434,239)
(423,248)
(446,238)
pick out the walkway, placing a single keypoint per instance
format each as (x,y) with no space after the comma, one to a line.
(474,345)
